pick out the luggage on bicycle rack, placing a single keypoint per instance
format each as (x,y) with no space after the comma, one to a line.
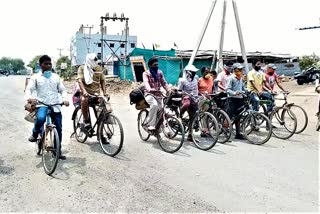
(137,97)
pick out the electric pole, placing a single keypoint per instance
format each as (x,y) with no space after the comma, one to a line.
(60,49)
(87,39)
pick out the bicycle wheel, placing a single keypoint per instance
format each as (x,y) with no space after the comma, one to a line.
(110,135)
(225,125)
(263,109)
(142,117)
(302,117)
(38,146)
(204,130)
(168,137)
(50,151)
(78,126)
(284,123)
(256,128)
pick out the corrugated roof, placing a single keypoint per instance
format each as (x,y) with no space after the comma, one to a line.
(210,53)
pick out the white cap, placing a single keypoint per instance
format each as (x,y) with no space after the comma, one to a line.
(191,68)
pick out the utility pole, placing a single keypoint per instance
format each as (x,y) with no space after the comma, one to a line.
(235,10)
(60,49)
(121,19)
(87,39)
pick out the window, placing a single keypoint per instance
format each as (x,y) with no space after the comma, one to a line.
(111,45)
(133,45)
(122,45)
(99,55)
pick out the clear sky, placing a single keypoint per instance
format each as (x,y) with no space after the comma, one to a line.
(33,27)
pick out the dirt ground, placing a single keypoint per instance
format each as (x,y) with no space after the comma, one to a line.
(279,176)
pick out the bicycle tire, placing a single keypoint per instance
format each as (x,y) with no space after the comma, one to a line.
(300,130)
(55,154)
(140,128)
(110,119)
(76,126)
(222,118)
(38,146)
(166,124)
(289,133)
(256,116)
(214,125)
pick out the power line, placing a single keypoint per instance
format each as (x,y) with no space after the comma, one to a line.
(309,28)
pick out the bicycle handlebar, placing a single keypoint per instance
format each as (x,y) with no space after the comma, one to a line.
(57,104)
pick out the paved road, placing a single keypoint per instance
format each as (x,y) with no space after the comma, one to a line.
(280,176)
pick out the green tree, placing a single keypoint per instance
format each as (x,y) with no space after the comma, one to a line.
(65,71)
(308,61)
(33,62)
(10,64)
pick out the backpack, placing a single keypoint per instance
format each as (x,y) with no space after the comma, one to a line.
(136,95)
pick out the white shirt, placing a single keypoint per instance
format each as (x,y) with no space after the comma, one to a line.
(47,90)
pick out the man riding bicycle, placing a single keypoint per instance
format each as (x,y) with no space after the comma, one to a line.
(235,88)
(272,78)
(91,80)
(48,88)
(153,79)
(259,87)
(189,84)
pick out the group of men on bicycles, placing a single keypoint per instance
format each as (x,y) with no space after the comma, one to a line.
(230,82)
(47,87)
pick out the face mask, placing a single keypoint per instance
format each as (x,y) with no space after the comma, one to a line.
(207,76)
(47,74)
(257,68)
(154,69)
(190,75)
(228,69)
(270,73)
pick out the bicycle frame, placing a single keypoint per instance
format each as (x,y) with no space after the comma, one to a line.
(160,114)
(99,117)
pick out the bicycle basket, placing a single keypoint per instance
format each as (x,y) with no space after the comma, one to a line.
(31,117)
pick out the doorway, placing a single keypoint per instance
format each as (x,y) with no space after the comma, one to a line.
(138,71)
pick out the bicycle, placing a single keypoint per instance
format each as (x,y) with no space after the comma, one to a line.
(253,122)
(167,126)
(283,119)
(48,142)
(222,117)
(297,110)
(108,126)
(203,126)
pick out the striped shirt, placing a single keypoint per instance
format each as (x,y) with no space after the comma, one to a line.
(151,83)
(190,87)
